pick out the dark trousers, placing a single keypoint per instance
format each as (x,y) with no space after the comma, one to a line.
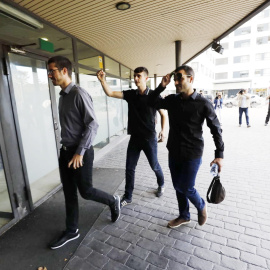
(268,114)
(245,110)
(183,173)
(135,146)
(80,178)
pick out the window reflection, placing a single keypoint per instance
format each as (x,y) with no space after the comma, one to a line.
(90,83)
(16,33)
(112,67)
(88,56)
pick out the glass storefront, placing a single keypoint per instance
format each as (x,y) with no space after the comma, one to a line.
(89,81)
(5,206)
(115,109)
(34,112)
(33,108)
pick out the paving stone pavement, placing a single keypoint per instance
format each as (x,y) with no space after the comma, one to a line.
(237,232)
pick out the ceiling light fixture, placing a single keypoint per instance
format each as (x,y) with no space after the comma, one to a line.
(217,47)
(19,16)
(122,5)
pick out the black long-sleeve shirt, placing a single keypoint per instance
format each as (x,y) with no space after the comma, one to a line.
(77,118)
(186,118)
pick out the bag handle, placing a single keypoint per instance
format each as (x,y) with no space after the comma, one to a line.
(216,178)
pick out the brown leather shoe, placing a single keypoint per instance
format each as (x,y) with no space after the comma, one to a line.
(177,222)
(202,216)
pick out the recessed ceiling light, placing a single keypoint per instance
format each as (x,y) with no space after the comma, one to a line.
(122,5)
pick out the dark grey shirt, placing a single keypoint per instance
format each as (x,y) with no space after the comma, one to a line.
(77,118)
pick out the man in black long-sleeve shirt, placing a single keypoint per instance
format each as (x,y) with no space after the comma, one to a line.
(187,111)
(78,130)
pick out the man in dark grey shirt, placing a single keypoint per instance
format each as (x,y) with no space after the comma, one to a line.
(78,130)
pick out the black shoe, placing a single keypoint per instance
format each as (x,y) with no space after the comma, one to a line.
(125,201)
(64,238)
(115,209)
(160,191)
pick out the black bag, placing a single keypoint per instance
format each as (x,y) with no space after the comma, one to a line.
(216,190)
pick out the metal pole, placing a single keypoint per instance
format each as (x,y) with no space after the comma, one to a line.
(178,61)
(155,81)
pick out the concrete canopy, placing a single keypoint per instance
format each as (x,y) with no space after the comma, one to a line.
(145,34)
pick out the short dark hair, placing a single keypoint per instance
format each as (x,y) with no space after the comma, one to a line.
(141,69)
(189,70)
(61,62)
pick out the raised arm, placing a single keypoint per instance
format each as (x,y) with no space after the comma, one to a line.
(154,98)
(101,75)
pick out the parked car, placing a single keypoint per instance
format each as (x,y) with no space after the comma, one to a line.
(255,101)
(230,102)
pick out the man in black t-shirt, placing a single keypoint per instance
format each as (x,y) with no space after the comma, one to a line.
(141,127)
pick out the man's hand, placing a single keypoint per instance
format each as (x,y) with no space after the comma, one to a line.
(77,161)
(101,75)
(166,80)
(219,162)
(161,136)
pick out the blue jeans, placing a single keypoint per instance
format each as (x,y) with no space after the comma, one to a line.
(135,146)
(183,174)
(245,110)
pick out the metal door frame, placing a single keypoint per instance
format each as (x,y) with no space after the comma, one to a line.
(27,199)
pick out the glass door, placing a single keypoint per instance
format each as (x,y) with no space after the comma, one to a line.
(36,125)
(6,213)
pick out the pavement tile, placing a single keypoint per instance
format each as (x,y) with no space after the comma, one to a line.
(118,243)
(184,246)
(134,228)
(236,235)
(130,237)
(177,266)
(200,264)
(137,263)
(200,242)
(118,255)
(100,235)
(233,263)
(99,246)
(180,236)
(97,259)
(114,231)
(149,234)
(113,265)
(225,250)
(165,240)
(83,251)
(138,251)
(175,255)
(253,259)
(157,260)
(150,245)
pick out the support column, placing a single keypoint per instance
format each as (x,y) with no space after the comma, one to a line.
(178,61)
(155,81)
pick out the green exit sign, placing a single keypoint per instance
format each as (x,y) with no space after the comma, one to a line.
(46,45)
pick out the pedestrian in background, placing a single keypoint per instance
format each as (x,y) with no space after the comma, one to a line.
(268,113)
(243,104)
(218,106)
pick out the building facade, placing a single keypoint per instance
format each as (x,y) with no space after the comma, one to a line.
(245,62)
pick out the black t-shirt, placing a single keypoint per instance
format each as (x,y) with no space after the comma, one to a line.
(141,116)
